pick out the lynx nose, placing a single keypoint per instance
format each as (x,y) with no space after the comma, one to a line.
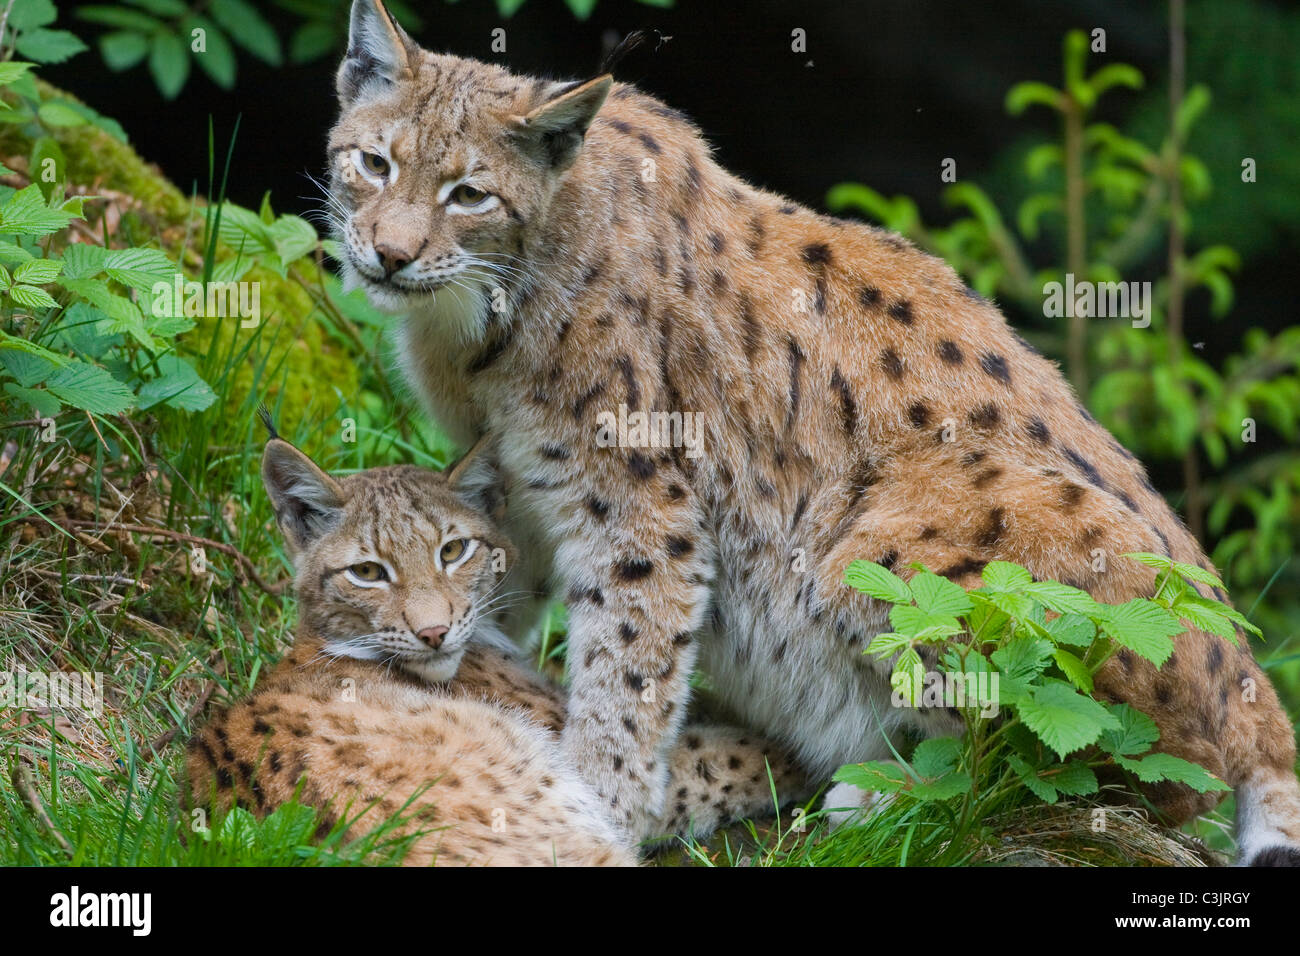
(433,635)
(391,257)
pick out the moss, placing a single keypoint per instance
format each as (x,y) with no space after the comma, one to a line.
(293,339)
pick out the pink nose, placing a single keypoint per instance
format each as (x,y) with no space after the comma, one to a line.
(433,635)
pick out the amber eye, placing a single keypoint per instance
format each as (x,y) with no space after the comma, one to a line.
(369,571)
(467,195)
(452,550)
(374,163)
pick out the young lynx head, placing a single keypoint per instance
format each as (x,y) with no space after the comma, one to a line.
(439,165)
(392,564)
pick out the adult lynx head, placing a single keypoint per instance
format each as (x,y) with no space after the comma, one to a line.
(440,165)
(392,564)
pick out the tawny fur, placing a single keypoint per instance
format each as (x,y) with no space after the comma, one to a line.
(858,401)
(474,762)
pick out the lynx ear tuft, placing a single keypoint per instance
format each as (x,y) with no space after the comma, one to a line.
(476,479)
(380,54)
(307,501)
(552,133)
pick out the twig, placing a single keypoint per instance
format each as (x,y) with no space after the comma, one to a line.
(228,549)
(26,787)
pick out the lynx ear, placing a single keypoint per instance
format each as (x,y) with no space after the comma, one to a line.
(552,133)
(307,501)
(379,55)
(476,479)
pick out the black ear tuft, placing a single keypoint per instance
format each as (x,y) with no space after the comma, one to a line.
(264,414)
(633,41)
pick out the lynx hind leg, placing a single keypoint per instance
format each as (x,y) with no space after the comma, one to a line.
(717,775)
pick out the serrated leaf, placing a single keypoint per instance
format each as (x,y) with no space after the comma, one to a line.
(1061,598)
(43,403)
(1023,658)
(312,40)
(12,254)
(877,582)
(908,676)
(30,14)
(1143,627)
(875,776)
(32,297)
(1064,719)
(82,261)
(1075,779)
(1029,777)
(90,388)
(945,788)
(936,756)
(26,214)
(920,625)
(49,46)
(886,645)
(1072,629)
(217,59)
(293,237)
(1074,669)
(38,271)
(139,268)
(1198,574)
(248,28)
(179,386)
(1134,735)
(1156,767)
(1005,576)
(938,596)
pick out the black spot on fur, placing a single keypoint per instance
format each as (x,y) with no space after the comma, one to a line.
(634,569)
(796,371)
(627,632)
(985,416)
(901,311)
(965,566)
(1216,658)
(817,254)
(640,465)
(597,507)
(555,452)
(891,363)
(950,352)
(869,296)
(1038,431)
(993,529)
(996,366)
(918,413)
(585,399)
(676,546)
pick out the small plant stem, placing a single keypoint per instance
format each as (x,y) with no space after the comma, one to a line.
(1076,240)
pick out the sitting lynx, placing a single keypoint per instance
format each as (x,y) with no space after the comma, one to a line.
(396,584)
(569,257)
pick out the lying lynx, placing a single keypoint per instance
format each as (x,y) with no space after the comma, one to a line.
(399,680)
(568,255)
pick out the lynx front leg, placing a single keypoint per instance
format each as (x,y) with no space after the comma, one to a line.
(636,575)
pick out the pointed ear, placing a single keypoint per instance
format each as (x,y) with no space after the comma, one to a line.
(476,479)
(552,132)
(379,55)
(307,501)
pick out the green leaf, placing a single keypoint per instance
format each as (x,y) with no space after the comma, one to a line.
(878,582)
(1023,658)
(121,17)
(1023,95)
(908,676)
(179,386)
(123,49)
(1040,788)
(1064,719)
(42,402)
(313,40)
(581,8)
(1061,598)
(26,214)
(1005,576)
(49,46)
(32,297)
(936,756)
(248,28)
(140,268)
(879,776)
(945,788)
(217,59)
(1134,735)
(82,261)
(888,644)
(46,148)
(919,625)
(1074,669)
(12,71)
(169,63)
(163,8)
(938,596)
(12,254)
(38,271)
(1157,767)
(294,237)
(1075,779)
(30,14)
(90,388)
(1142,626)
(508,7)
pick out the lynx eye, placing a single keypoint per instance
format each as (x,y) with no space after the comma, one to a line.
(452,550)
(467,195)
(375,164)
(369,571)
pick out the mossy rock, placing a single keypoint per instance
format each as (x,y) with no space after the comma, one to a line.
(292,333)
